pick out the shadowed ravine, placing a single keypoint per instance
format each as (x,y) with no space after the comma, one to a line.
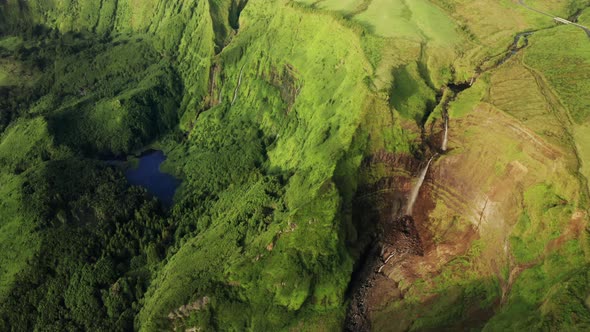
(353,165)
(400,239)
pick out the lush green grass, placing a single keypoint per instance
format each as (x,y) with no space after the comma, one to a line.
(541,222)
(299,146)
(582,137)
(18,240)
(418,20)
(466,101)
(13,72)
(346,7)
(276,123)
(584,17)
(490,27)
(410,94)
(571,79)
(4,77)
(552,301)
(10,43)
(25,144)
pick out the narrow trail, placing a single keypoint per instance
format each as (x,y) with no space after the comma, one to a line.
(456,89)
(555,18)
(522,3)
(565,120)
(405,244)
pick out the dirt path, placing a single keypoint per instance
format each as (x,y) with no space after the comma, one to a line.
(555,18)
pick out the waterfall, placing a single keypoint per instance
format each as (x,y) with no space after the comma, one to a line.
(238,86)
(416,189)
(385,262)
(446,136)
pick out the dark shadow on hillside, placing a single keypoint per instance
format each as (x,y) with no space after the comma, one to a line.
(94,238)
(234,14)
(404,94)
(222,17)
(454,308)
(101,95)
(370,28)
(3,18)
(375,214)
(12,22)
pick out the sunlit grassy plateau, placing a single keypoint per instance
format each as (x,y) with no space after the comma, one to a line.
(291,124)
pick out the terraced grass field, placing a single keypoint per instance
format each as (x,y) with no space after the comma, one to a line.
(346,7)
(418,20)
(299,130)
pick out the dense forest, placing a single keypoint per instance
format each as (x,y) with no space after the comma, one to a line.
(298,130)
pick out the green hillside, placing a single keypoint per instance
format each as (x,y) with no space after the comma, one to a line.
(298,131)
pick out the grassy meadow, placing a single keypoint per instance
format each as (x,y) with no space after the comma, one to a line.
(275,115)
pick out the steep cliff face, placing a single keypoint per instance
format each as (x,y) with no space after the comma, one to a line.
(383,165)
(265,120)
(502,216)
(298,118)
(188,32)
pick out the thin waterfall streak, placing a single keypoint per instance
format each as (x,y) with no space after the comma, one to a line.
(238,85)
(446,136)
(416,189)
(385,263)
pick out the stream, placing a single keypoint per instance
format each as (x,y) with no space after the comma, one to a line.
(357,317)
(516,47)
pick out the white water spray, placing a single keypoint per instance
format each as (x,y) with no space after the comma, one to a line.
(385,263)
(416,189)
(446,136)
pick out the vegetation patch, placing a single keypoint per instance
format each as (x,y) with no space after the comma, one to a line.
(274,114)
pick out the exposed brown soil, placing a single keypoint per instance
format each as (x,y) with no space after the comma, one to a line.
(177,316)
(213,99)
(574,230)
(399,237)
(357,318)
(287,84)
(381,205)
(406,248)
(480,202)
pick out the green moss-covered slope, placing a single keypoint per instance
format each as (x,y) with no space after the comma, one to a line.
(297,128)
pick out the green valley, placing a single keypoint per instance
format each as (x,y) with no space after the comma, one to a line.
(354,165)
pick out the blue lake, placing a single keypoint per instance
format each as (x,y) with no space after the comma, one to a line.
(149,176)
